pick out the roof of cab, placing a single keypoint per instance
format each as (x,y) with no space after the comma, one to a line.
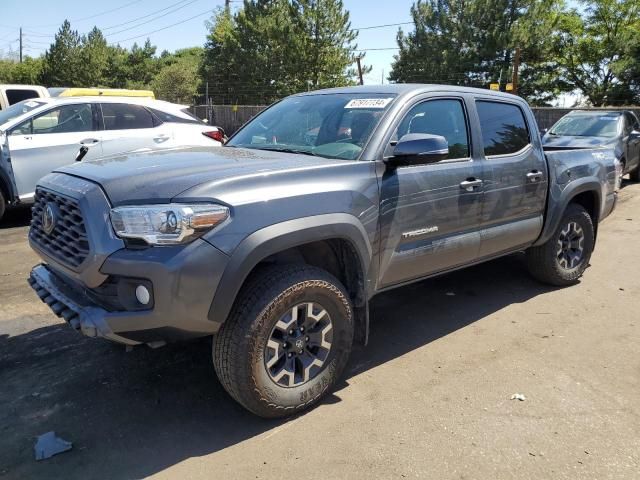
(402,89)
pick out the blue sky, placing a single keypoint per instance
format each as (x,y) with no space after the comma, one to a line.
(121,19)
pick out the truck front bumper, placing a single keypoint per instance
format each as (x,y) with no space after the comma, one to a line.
(183,281)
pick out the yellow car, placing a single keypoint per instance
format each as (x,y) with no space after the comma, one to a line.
(97,92)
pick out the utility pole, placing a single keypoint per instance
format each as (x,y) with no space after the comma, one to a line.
(227,5)
(20,44)
(516,66)
(360,71)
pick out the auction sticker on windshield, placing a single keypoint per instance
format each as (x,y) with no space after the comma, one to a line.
(368,103)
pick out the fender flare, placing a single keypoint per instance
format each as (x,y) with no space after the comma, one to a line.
(557,206)
(279,237)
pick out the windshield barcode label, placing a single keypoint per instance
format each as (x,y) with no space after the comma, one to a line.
(368,103)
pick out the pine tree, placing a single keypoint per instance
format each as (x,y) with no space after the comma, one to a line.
(62,61)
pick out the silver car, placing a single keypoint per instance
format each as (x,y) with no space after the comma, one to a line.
(41,134)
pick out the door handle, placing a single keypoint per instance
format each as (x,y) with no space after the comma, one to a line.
(534,176)
(89,141)
(161,138)
(470,184)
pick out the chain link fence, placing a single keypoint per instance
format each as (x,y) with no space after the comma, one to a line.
(232,117)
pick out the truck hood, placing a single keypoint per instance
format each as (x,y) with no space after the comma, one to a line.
(576,142)
(160,175)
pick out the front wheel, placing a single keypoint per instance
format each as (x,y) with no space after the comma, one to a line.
(634,175)
(286,341)
(565,256)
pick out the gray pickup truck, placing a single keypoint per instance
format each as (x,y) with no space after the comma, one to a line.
(275,244)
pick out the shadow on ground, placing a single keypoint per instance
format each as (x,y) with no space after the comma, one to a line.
(132,415)
(16,217)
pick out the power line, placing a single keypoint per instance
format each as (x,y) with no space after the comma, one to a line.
(375,49)
(208,11)
(92,16)
(133,20)
(382,26)
(155,18)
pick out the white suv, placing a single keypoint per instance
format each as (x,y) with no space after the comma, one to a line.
(41,134)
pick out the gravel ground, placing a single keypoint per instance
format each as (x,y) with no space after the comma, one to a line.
(428,398)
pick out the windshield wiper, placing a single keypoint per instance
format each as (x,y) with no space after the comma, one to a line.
(287,150)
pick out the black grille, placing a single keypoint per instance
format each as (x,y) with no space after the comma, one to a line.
(68,241)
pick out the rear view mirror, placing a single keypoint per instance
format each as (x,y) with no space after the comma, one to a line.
(419,148)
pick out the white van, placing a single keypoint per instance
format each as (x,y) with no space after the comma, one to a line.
(10,94)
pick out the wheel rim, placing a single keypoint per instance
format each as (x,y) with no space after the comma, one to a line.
(571,246)
(299,345)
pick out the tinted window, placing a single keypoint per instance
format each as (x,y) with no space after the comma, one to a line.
(15,96)
(504,129)
(168,117)
(444,117)
(120,116)
(64,119)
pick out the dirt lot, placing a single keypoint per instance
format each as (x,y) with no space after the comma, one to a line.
(428,398)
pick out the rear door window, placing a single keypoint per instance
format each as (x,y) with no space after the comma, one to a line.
(121,116)
(504,129)
(17,95)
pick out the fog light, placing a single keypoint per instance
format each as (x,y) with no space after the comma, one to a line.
(142,294)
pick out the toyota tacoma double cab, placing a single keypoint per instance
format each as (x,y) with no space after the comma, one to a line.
(276,243)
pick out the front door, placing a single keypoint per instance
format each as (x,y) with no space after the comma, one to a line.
(48,141)
(430,214)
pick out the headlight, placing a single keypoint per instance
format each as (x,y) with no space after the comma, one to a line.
(166,224)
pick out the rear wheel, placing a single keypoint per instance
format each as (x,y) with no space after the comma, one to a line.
(634,175)
(286,341)
(565,256)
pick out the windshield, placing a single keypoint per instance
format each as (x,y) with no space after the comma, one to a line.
(326,125)
(601,125)
(18,109)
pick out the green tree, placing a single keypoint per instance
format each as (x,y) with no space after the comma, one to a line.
(326,42)
(272,48)
(62,61)
(472,42)
(178,79)
(593,52)
(94,58)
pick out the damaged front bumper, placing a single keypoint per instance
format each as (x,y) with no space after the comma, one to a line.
(181,280)
(68,303)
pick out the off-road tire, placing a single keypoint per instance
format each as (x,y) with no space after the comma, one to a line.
(3,205)
(239,346)
(543,262)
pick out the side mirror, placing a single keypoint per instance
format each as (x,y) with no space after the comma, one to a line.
(543,131)
(418,149)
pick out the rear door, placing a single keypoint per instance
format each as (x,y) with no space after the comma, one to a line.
(50,140)
(128,127)
(516,176)
(430,214)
